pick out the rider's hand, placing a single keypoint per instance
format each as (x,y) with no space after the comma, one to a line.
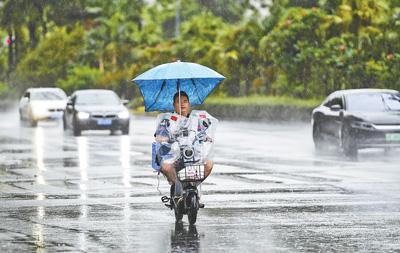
(160,138)
(204,137)
(208,139)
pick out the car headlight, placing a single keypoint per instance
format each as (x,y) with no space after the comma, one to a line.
(123,115)
(37,110)
(83,115)
(362,125)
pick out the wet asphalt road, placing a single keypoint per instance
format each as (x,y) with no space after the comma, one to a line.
(269,192)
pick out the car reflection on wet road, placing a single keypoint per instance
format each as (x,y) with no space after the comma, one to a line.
(269,192)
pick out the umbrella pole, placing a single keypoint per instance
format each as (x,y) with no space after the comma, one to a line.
(179,97)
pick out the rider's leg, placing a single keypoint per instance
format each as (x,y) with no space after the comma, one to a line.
(208,167)
(169,171)
(207,171)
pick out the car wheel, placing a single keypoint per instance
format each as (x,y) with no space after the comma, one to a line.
(125,130)
(318,138)
(77,131)
(22,121)
(33,122)
(21,118)
(349,145)
(64,122)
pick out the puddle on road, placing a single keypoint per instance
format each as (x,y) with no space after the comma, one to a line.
(70,162)
(69,148)
(29,163)
(17,196)
(297,189)
(10,169)
(15,151)
(10,140)
(14,164)
(185,238)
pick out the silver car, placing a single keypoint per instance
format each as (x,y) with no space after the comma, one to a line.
(42,104)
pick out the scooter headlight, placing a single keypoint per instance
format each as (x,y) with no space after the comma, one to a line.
(188,152)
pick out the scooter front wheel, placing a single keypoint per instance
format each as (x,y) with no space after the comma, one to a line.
(193,208)
(178,209)
(178,212)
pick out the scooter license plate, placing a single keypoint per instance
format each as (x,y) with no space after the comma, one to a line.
(191,173)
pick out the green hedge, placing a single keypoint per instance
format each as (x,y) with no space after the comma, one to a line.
(261,108)
(259,112)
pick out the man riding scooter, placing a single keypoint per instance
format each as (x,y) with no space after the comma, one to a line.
(192,124)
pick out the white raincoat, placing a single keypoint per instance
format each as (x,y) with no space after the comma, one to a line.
(198,129)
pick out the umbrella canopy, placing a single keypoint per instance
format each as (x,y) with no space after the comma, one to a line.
(159,84)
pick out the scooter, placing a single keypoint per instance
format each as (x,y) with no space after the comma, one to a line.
(190,177)
(190,172)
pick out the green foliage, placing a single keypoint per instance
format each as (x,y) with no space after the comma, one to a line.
(239,59)
(229,10)
(343,44)
(51,60)
(3,62)
(80,77)
(303,49)
(4,90)
(137,102)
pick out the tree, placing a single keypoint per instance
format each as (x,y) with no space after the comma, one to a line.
(231,11)
(51,60)
(343,44)
(11,20)
(240,57)
(80,77)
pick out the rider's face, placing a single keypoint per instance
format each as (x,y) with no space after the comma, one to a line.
(184,106)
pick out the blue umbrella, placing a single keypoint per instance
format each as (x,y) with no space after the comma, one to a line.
(159,84)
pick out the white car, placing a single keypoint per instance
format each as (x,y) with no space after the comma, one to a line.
(42,104)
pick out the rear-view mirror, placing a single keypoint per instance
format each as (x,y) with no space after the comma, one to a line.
(336,108)
(70,105)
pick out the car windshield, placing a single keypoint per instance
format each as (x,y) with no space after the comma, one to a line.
(373,102)
(392,101)
(47,95)
(97,99)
